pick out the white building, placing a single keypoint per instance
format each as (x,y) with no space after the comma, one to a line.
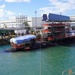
(37,22)
(72,18)
(18,22)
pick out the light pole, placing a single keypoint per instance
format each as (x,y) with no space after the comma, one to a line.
(36,19)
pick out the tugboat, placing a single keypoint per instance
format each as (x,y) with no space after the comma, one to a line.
(22,42)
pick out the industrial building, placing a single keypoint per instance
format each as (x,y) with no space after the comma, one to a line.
(18,23)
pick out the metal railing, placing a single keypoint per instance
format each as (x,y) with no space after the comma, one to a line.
(70,71)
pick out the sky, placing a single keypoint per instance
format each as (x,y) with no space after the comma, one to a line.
(11,8)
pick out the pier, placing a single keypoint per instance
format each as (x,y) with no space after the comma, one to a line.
(6,34)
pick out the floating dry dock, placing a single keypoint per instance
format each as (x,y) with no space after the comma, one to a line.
(56,30)
(45,44)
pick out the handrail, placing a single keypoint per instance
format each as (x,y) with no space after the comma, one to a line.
(69,71)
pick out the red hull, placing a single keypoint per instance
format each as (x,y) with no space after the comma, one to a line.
(17,46)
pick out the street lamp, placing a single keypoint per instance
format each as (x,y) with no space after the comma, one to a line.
(36,19)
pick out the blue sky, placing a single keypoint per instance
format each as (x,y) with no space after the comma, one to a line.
(11,8)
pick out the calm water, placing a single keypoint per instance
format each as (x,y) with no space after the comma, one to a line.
(50,61)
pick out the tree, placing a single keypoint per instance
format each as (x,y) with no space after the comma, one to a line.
(26,24)
(27,27)
(5,25)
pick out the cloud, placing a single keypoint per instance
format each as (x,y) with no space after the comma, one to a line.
(57,6)
(17,0)
(2,10)
(1,13)
(3,6)
(6,13)
(10,14)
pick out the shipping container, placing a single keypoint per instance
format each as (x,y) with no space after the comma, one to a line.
(56,17)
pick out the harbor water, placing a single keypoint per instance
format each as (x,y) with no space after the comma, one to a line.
(57,60)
